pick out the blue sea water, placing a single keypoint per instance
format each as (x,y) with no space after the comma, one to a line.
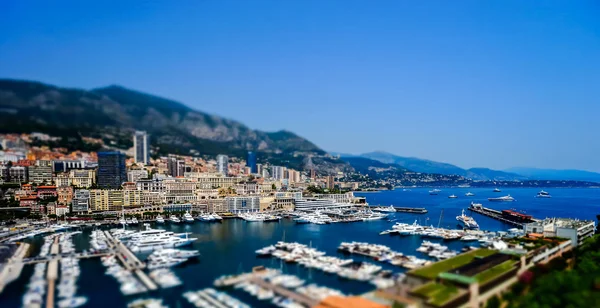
(229,247)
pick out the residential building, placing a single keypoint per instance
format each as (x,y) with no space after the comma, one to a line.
(243,204)
(259,169)
(64,194)
(67,165)
(6,156)
(111,170)
(28,201)
(278,172)
(175,167)
(141,146)
(180,190)
(151,185)
(80,178)
(265,173)
(40,172)
(136,175)
(181,168)
(251,162)
(114,199)
(293,176)
(222,164)
(61,210)
(51,208)
(330,182)
(44,192)
(573,229)
(212,180)
(339,198)
(14,174)
(81,200)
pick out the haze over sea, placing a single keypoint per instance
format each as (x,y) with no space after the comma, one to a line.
(229,247)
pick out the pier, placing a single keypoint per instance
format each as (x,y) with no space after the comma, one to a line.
(495,214)
(413,210)
(130,261)
(52,274)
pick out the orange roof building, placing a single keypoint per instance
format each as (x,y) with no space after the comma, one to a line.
(348,302)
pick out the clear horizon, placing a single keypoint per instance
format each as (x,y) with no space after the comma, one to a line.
(474,84)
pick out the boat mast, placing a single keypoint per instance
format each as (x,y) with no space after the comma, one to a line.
(440,221)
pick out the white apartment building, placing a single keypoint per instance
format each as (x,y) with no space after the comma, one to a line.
(243,204)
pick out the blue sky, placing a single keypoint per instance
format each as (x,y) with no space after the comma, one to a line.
(476,83)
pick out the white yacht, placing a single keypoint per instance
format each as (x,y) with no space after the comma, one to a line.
(160,219)
(187,217)
(506,198)
(174,219)
(453,196)
(122,221)
(468,222)
(434,192)
(469,194)
(543,194)
(497,190)
(134,221)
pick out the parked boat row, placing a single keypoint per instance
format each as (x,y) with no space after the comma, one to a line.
(36,289)
(207,297)
(382,253)
(147,303)
(152,239)
(169,257)
(129,284)
(165,278)
(258,217)
(312,258)
(436,250)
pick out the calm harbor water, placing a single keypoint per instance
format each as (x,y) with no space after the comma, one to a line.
(229,247)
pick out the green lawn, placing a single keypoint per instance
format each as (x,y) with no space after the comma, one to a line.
(495,271)
(437,293)
(434,269)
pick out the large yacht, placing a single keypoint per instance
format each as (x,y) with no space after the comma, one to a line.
(468,222)
(187,217)
(506,198)
(174,219)
(160,219)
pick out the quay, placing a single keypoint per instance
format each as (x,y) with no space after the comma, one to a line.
(413,210)
(12,269)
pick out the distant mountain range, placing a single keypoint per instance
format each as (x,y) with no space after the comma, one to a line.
(112,113)
(429,166)
(485,174)
(555,174)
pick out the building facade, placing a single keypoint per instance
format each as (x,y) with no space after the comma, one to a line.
(81,201)
(251,162)
(222,164)
(242,204)
(111,170)
(141,146)
(40,172)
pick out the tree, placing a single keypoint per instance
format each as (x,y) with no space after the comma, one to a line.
(52,216)
(273,186)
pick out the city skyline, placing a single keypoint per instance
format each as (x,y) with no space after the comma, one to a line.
(475,85)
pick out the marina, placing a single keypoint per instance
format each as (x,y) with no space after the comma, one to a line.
(239,239)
